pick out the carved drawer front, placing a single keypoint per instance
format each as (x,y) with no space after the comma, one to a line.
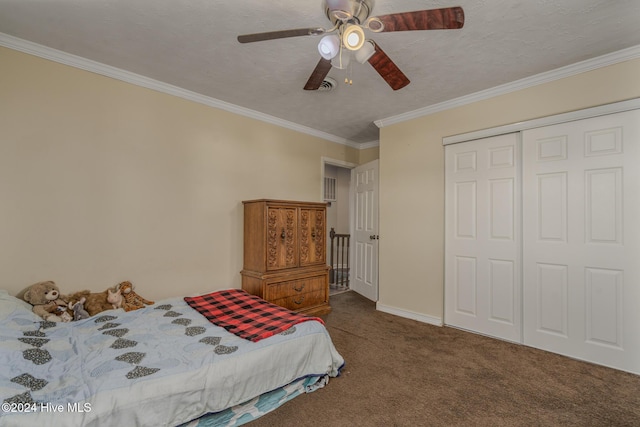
(281,238)
(298,294)
(299,302)
(312,236)
(295,287)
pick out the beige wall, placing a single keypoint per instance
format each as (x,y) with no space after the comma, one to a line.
(103,181)
(411,274)
(368,155)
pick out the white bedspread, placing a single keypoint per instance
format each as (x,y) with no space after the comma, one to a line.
(162,365)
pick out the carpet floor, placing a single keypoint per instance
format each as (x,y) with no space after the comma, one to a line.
(401,372)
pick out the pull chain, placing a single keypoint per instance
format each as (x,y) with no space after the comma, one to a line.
(349,73)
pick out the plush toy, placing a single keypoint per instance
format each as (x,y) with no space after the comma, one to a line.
(94,302)
(63,313)
(57,311)
(79,312)
(47,302)
(132,301)
(115,298)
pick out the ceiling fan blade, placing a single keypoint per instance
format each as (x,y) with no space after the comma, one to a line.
(448,18)
(272,35)
(388,69)
(318,75)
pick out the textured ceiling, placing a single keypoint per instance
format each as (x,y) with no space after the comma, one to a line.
(192,44)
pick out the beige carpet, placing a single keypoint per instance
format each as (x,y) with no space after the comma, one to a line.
(401,372)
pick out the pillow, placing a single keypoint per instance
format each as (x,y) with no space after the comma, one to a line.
(10,304)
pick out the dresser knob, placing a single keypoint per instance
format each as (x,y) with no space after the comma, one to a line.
(299,301)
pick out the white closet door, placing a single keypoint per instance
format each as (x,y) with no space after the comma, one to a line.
(483,245)
(581,258)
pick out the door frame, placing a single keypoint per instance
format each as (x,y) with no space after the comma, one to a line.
(342,164)
(334,162)
(347,165)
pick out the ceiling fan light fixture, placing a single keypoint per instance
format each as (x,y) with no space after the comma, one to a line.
(366,51)
(329,46)
(374,24)
(341,15)
(353,37)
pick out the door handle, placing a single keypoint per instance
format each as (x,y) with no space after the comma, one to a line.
(374,237)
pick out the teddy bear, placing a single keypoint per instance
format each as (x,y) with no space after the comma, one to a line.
(132,301)
(79,312)
(95,302)
(47,302)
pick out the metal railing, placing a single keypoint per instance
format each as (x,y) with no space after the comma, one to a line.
(339,259)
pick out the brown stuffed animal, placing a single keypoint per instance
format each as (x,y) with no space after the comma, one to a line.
(95,302)
(47,302)
(132,301)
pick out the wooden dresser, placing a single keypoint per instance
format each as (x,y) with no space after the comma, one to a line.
(285,254)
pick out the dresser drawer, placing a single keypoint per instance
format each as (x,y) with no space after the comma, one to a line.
(293,288)
(302,301)
(302,290)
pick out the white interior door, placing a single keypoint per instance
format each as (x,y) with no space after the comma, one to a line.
(364,274)
(482,236)
(582,239)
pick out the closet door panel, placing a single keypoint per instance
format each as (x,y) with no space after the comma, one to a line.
(482,259)
(581,212)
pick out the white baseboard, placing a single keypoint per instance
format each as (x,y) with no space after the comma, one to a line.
(436,321)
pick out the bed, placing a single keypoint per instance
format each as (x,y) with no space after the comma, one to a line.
(162,365)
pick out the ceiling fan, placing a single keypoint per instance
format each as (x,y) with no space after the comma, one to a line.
(349,19)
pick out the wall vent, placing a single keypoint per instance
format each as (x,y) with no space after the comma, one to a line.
(329,189)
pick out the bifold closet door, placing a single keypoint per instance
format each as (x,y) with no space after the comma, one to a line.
(482,241)
(581,234)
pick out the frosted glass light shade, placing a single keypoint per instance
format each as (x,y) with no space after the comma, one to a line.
(329,46)
(353,37)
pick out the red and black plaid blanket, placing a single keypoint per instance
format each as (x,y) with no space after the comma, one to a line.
(248,316)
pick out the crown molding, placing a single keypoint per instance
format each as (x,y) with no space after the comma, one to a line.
(546,77)
(370,144)
(75,61)
(587,113)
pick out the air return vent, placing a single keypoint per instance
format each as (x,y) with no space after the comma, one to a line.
(329,189)
(327,85)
